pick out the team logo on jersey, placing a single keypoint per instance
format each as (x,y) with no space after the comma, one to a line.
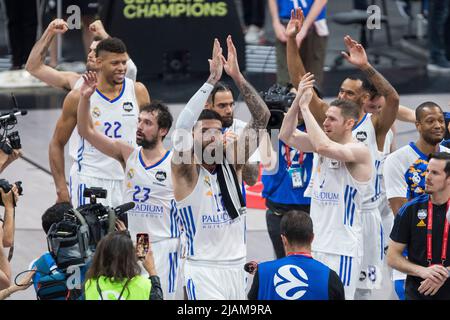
(96,112)
(421,224)
(422,214)
(130,173)
(128,106)
(416,178)
(334,164)
(291,282)
(361,136)
(161,176)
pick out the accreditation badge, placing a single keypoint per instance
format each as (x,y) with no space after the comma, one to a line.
(296,175)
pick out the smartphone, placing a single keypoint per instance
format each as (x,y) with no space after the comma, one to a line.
(142,245)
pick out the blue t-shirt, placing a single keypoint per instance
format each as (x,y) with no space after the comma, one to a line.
(278,187)
(294,277)
(285,7)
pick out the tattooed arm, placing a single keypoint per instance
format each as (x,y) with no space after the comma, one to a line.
(385,119)
(36,61)
(240,152)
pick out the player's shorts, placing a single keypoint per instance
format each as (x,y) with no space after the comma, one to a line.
(387,219)
(347,268)
(167,262)
(215,281)
(79,183)
(373,254)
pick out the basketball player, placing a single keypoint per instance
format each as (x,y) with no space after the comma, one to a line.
(340,181)
(370,129)
(148,179)
(207,187)
(222,101)
(114,106)
(405,169)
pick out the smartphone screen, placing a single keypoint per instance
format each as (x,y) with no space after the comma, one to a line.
(142,245)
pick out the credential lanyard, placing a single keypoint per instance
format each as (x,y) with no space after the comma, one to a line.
(288,157)
(430,235)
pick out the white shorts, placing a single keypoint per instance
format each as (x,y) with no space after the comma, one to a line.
(397,275)
(210,281)
(373,255)
(79,183)
(347,268)
(167,257)
(387,219)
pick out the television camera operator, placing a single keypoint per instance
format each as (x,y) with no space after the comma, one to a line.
(73,236)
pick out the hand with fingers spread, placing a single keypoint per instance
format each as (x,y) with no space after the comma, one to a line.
(58,26)
(216,63)
(305,90)
(98,29)
(89,84)
(231,64)
(295,23)
(356,54)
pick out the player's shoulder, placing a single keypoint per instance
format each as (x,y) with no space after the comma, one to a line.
(416,203)
(400,154)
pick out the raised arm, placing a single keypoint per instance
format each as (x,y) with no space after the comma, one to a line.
(182,136)
(295,65)
(258,109)
(113,148)
(289,133)
(64,128)
(321,143)
(36,61)
(142,95)
(314,12)
(384,120)
(406,114)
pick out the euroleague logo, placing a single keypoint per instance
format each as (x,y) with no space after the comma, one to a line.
(291,282)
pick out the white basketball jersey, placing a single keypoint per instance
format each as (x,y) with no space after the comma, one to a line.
(151,189)
(336,203)
(365,133)
(75,137)
(211,234)
(116,119)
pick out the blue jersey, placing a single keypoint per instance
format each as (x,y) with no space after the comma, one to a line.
(278,187)
(285,7)
(294,277)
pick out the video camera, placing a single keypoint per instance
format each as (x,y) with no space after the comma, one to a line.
(6,186)
(73,240)
(278,99)
(8,121)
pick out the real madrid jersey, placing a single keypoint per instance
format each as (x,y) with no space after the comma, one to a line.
(117,119)
(365,133)
(404,172)
(211,234)
(151,189)
(336,203)
(75,137)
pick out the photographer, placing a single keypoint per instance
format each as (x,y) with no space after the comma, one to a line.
(115,272)
(285,178)
(7,222)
